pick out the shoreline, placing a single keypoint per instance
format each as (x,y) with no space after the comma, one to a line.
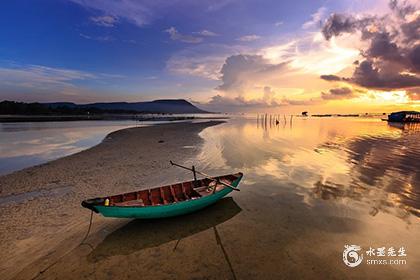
(105,117)
(127,159)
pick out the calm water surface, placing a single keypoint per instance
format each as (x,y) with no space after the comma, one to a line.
(26,144)
(359,159)
(310,188)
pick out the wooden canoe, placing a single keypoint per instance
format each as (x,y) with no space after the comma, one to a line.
(166,201)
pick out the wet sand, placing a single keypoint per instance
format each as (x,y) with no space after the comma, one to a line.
(41,218)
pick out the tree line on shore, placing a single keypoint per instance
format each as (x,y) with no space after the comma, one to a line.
(35,108)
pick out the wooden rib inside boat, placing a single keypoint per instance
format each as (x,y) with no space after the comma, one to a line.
(165,201)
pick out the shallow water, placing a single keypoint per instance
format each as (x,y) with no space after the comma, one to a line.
(26,144)
(360,159)
(310,188)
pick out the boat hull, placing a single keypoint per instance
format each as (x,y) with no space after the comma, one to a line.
(164,211)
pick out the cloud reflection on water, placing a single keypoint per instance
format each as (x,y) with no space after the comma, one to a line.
(26,144)
(359,159)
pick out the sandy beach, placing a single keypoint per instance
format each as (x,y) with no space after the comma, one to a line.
(41,217)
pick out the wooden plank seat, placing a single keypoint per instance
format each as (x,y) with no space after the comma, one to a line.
(167,194)
(155,196)
(178,193)
(145,196)
(189,190)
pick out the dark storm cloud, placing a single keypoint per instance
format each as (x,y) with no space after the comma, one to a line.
(338,93)
(338,24)
(414,57)
(368,76)
(401,9)
(381,46)
(392,58)
(330,77)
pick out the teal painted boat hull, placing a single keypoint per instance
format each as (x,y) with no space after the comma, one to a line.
(168,210)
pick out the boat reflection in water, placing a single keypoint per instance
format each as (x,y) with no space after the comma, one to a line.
(412,127)
(139,234)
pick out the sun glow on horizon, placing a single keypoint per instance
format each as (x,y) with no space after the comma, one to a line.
(386,97)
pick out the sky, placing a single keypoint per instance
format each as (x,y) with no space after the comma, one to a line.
(222,55)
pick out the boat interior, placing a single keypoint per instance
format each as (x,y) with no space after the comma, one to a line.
(168,194)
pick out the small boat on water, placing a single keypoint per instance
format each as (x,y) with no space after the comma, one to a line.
(166,201)
(404,117)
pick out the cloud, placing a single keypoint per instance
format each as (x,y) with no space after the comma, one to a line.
(41,76)
(43,83)
(369,76)
(201,60)
(391,56)
(217,5)
(268,99)
(316,19)
(139,13)
(206,33)
(97,38)
(414,94)
(278,23)
(278,71)
(106,21)
(226,103)
(330,77)
(176,36)
(249,38)
(239,70)
(338,93)
(238,101)
(338,24)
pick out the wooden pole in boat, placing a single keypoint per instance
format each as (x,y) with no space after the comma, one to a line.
(195,176)
(206,176)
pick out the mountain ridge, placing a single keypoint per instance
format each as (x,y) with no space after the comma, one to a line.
(168,106)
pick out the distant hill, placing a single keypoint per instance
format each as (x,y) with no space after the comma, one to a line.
(173,106)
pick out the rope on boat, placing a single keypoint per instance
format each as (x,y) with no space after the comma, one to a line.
(87,233)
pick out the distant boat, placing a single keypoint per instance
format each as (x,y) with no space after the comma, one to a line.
(166,201)
(404,116)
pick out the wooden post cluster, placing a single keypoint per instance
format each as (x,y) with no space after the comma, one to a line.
(271,119)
